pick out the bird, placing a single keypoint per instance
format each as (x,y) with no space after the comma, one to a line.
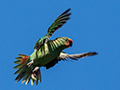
(47,53)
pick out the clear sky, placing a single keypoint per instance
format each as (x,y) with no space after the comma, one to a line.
(94,26)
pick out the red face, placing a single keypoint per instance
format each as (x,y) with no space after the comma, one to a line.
(69,42)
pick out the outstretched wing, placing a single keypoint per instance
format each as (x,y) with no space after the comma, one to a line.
(64,56)
(61,20)
(55,25)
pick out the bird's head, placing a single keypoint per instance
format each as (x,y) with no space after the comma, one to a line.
(64,41)
(68,42)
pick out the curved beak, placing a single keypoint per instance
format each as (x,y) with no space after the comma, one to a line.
(70,41)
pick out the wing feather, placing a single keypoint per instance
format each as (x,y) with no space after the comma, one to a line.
(60,21)
(64,56)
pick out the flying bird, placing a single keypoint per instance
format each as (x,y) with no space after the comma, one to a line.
(46,53)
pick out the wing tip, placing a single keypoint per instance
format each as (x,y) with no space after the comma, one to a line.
(68,9)
(94,53)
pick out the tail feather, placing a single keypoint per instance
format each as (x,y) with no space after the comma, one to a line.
(17,62)
(19,70)
(27,80)
(18,66)
(39,76)
(19,77)
(24,72)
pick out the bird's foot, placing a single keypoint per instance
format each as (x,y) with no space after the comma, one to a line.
(30,63)
(35,69)
(35,73)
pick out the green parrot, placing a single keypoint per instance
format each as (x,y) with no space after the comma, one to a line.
(46,53)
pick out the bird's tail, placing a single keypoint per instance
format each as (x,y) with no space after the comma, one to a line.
(26,72)
(77,56)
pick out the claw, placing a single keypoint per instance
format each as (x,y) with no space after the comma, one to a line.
(35,73)
(36,68)
(30,63)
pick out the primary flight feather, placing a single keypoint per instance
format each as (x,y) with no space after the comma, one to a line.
(46,53)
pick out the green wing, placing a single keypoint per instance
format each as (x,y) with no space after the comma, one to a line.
(55,25)
(59,22)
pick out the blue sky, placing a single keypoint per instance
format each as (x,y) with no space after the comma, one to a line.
(94,26)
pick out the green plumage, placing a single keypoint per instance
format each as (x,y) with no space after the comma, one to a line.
(50,50)
(46,53)
(61,20)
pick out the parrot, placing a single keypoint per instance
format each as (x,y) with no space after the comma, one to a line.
(47,53)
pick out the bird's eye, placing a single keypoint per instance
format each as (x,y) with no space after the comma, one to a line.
(66,40)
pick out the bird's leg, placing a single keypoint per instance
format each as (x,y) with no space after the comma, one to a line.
(30,63)
(35,69)
(35,73)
